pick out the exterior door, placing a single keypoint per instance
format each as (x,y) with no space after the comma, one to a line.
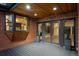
(51,32)
(55,32)
(40,32)
(69,39)
(47,32)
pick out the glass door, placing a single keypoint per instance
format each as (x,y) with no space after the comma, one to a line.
(39,32)
(47,33)
(55,32)
(69,34)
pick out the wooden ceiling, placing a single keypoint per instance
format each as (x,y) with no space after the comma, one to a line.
(44,9)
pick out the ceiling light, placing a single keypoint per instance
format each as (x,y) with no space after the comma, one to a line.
(28,7)
(35,14)
(55,8)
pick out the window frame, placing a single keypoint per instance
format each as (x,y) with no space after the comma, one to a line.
(9,22)
(14,22)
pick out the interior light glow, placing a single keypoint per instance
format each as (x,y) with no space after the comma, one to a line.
(55,8)
(35,14)
(28,7)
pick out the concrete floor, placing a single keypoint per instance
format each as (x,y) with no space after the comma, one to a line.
(38,49)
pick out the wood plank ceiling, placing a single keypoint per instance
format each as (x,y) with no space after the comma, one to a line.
(44,9)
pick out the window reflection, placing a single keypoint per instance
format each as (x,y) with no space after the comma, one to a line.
(21,23)
(9,24)
(47,31)
(55,32)
(69,31)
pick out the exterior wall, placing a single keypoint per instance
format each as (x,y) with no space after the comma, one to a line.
(6,43)
(3,39)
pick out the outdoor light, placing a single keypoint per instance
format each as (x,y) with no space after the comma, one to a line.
(28,7)
(55,8)
(35,14)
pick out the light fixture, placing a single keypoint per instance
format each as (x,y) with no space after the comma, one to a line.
(28,7)
(54,8)
(35,14)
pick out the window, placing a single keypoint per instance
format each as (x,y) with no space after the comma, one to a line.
(9,23)
(21,23)
(18,23)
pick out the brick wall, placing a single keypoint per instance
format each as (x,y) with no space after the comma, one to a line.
(3,39)
(32,32)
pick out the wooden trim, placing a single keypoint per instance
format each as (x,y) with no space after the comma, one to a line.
(55,20)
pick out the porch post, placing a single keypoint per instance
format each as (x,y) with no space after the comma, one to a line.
(61,33)
(43,32)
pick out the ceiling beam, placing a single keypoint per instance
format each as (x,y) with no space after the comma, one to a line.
(13,6)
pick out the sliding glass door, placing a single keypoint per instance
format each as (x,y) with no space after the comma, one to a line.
(47,32)
(58,32)
(69,39)
(39,32)
(55,32)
